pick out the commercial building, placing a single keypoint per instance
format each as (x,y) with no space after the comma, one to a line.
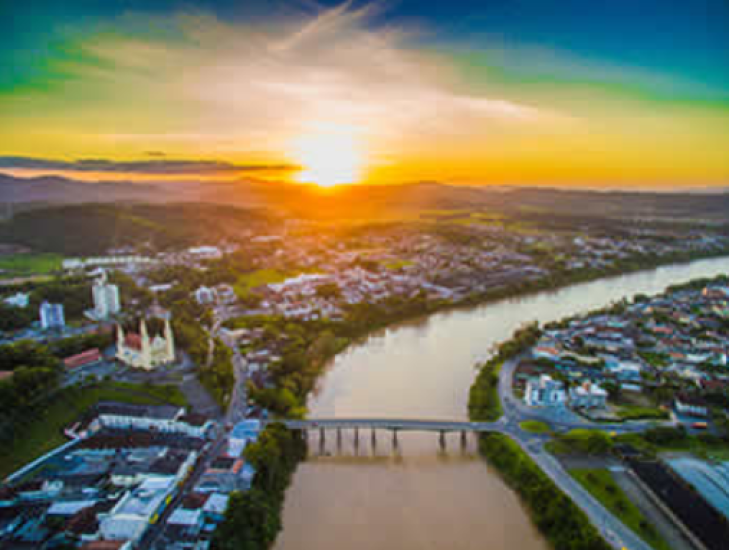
(52,316)
(106,298)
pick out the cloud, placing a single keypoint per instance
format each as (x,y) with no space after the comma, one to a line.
(264,85)
(148,167)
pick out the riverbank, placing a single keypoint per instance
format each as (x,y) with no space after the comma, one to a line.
(563,524)
(368,328)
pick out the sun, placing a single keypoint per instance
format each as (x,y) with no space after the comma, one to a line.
(329,157)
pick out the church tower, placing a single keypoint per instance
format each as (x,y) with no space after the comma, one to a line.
(169,341)
(146,345)
(119,341)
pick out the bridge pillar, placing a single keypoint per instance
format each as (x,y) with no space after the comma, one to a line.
(339,438)
(394,439)
(356,437)
(464,439)
(374,439)
(442,439)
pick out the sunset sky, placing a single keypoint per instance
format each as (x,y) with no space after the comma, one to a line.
(619,92)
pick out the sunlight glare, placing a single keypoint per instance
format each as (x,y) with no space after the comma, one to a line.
(329,157)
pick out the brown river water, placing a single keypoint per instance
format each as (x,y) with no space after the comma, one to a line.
(417,496)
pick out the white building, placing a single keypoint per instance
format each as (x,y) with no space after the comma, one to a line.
(588,396)
(691,405)
(142,352)
(51,316)
(106,298)
(163,419)
(120,261)
(205,295)
(20,299)
(544,391)
(136,510)
(205,252)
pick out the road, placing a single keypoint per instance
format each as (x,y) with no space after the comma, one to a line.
(515,412)
(235,413)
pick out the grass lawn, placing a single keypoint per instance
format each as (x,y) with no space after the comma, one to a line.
(631,412)
(534,426)
(601,485)
(45,432)
(30,264)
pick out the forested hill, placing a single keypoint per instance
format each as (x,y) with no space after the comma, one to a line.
(94,229)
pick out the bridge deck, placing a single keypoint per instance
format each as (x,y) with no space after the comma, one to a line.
(389,424)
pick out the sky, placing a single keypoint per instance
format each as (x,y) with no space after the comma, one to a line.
(630,93)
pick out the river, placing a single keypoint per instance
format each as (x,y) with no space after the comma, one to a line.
(416,496)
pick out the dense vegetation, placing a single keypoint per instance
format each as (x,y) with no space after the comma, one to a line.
(483,399)
(90,229)
(557,517)
(253,518)
(42,428)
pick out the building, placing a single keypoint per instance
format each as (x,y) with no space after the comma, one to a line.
(19,299)
(588,396)
(137,509)
(142,352)
(160,419)
(205,252)
(691,405)
(205,295)
(544,391)
(51,316)
(116,261)
(84,359)
(106,298)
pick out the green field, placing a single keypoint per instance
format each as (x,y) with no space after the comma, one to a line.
(257,278)
(534,426)
(601,485)
(29,264)
(398,264)
(45,432)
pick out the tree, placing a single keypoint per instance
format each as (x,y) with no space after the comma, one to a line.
(251,522)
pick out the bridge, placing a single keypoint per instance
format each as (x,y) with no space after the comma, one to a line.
(394,425)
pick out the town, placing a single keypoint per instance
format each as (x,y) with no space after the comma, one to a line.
(168,366)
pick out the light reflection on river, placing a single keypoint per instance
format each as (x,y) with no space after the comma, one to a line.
(416,497)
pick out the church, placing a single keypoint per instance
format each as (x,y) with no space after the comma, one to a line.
(142,352)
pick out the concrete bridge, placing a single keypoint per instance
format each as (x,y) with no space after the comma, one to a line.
(394,425)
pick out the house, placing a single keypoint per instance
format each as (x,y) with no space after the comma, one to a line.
(691,405)
(544,391)
(587,396)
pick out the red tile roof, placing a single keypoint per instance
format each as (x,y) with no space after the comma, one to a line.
(82,359)
(133,341)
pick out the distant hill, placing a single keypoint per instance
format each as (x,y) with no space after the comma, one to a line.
(59,190)
(378,202)
(91,229)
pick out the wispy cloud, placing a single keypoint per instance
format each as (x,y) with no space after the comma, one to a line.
(241,85)
(147,167)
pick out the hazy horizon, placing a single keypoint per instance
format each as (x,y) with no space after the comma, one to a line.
(548,94)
